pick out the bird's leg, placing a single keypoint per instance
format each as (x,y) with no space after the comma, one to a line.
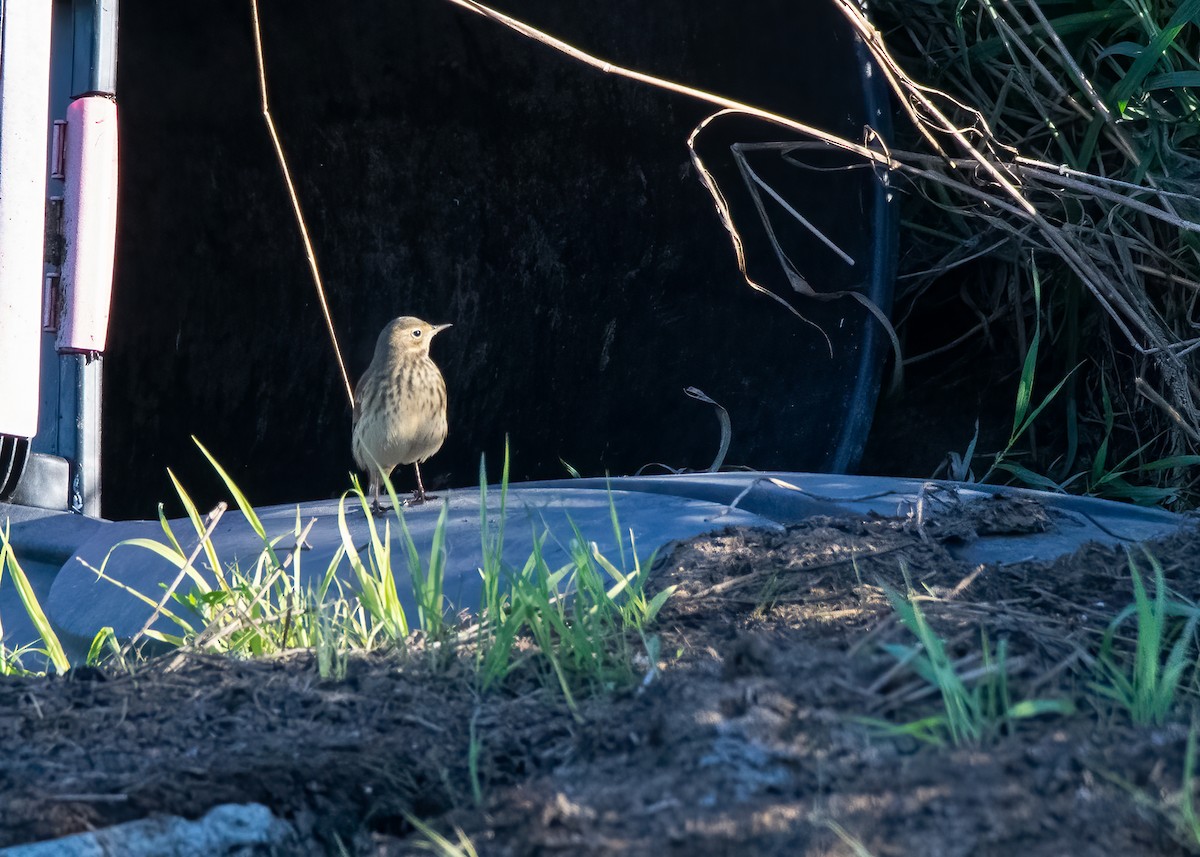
(419,496)
(376,507)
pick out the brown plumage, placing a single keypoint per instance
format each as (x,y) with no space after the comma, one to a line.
(399,405)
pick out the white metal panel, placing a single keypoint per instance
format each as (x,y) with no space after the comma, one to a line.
(24,120)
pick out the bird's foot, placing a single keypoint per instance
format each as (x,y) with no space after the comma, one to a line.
(418,498)
(378,510)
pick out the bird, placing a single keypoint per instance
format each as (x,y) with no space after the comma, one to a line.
(399,405)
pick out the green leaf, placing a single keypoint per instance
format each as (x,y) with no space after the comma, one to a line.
(53,647)
(1100,462)
(1088,23)
(1049,398)
(1172,80)
(1025,386)
(657,602)
(1037,707)
(1171,462)
(198,525)
(1188,11)
(105,635)
(1029,477)
(1142,495)
(1122,49)
(240,498)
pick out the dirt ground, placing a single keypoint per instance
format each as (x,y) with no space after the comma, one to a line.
(749,739)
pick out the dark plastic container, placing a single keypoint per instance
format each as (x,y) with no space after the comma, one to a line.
(454,170)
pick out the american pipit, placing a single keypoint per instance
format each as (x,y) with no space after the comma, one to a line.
(399,404)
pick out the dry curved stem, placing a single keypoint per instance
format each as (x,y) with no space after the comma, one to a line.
(1111,233)
(309,253)
(1152,395)
(727,106)
(671,86)
(714,190)
(1005,186)
(722,418)
(213,518)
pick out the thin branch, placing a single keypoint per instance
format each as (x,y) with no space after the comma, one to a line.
(291,187)
(1153,396)
(726,104)
(214,518)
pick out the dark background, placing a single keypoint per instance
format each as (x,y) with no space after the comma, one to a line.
(454,170)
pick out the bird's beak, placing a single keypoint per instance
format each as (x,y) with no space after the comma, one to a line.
(439,328)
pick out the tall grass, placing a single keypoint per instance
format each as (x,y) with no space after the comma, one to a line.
(51,649)
(586,620)
(972,713)
(1069,131)
(436,843)
(497,629)
(255,609)
(1025,413)
(382,614)
(1188,819)
(1165,632)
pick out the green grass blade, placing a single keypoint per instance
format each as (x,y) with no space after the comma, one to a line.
(52,646)
(198,525)
(1187,12)
(1029,368)
(616,524)
(240,498)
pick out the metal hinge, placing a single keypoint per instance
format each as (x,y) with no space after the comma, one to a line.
(58,149)
(55,244)
(51,302)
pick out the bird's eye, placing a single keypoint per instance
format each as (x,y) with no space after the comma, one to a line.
(416,334)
